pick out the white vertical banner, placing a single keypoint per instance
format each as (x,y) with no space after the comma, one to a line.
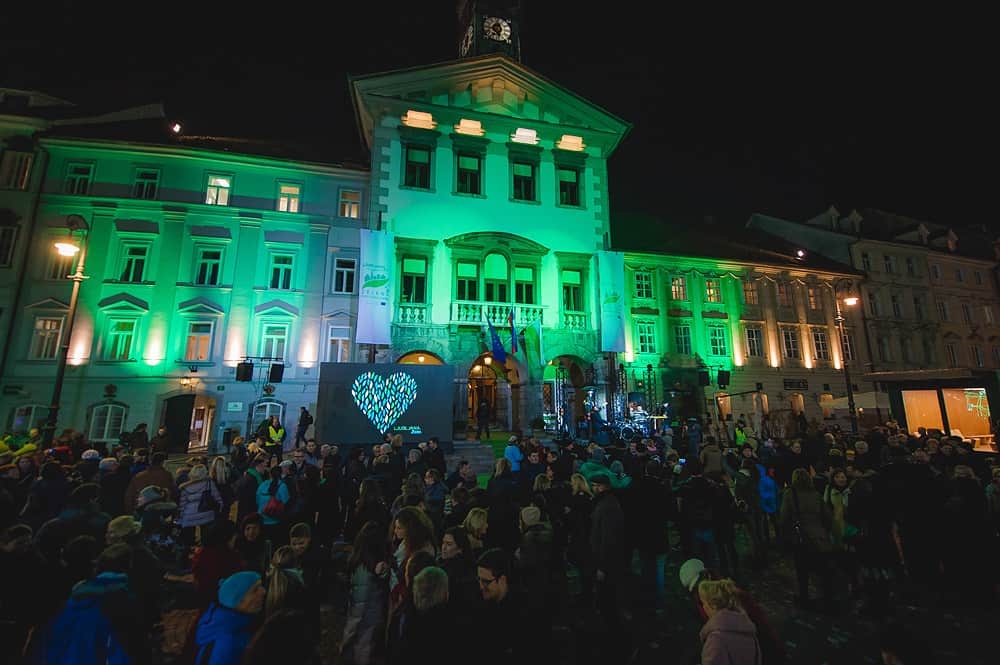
(375,287)
(611,285)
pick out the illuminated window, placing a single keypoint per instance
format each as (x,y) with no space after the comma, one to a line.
(15,169)
(496,278)
(812,294)
(417,167)
(8,234)
(523,181)
(107,421)
(718,345)
(467,280)
(289,197)
(146,184)
(646,334)
(713,290)
(682,340)
(273,341)
(343,275)
(281,271)
(821,344)
(350,203)
(643,284)
(78,179)
(524,285)
(784,294)
(209,266)
(414,280)
(569,186)
(120,339)
(678,288)
(468,173)
(45,338)
(199,341)
(755,341)
(339,345)
(790,343)
(750,294)
(217,192)
(133,263)
(572,288)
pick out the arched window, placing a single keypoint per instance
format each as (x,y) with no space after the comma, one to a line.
(107,421)
(23,418)
(496,274)
(264,409)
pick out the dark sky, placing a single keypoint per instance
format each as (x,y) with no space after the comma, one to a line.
(732,115)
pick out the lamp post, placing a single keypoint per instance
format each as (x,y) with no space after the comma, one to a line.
(850,302)
(74,223)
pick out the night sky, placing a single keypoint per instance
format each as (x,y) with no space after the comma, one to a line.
(779,114)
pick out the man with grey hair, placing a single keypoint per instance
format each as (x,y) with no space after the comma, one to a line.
(434,622)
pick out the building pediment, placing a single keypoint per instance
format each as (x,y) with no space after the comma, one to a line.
(48,303)
(124,301)
(482,241)
(500,93)
(200,306)
(275,308)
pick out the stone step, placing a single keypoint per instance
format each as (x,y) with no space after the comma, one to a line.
(479,455)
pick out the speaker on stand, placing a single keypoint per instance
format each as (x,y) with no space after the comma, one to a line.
(276,372)
(244,372)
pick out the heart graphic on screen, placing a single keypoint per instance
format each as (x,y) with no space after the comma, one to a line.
(384,399)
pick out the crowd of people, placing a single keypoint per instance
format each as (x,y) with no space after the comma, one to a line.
(243,552)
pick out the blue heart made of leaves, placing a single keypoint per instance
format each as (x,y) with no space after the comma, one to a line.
(384,400)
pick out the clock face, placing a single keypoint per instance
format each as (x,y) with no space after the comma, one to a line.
(467,41)
(496,29)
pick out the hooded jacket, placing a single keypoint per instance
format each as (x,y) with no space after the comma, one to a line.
(729,638)
(222,635)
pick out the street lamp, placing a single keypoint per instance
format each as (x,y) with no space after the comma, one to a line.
(68,248)
(850,301)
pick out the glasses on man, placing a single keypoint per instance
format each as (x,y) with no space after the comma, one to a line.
(483,581)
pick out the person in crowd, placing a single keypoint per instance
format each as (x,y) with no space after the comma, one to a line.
(367,608)
(804,521)
(476,526)
(504,612)
(155,475)
(302,427)
(433,622)
(412,531)
(247,485)
(286,586)
(199,503)
(273,497)
(283,637)
(225,629)
(369,506)
(216,559)
(251,544)
(145,570)
(729,636)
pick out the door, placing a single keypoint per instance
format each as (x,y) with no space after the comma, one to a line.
(177,420)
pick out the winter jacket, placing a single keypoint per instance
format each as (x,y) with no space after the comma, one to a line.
(264,495)
(729,638)
(768,490)
(222,635)
(189,512)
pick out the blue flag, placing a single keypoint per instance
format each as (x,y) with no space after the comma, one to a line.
(499,354)
(513,332)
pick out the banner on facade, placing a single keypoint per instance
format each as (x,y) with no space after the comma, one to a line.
(611,281)
(375,287)
(496,346)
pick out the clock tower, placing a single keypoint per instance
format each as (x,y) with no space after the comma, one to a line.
(489,26)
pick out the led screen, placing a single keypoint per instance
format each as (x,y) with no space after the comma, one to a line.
(359,402)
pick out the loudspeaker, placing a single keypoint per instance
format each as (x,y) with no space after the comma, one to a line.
(723,378)
(244,372)
(703,379)
(276,373)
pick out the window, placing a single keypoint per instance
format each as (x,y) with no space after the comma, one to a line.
(496,278)
(569,186)
(821,344)
(8,234)
(682,340)
(107,422)
(966,312)
(24,417)
(889,263)
(350,203)
(935,271)
(750,295)
(911,267)
(120,339)
(281,271)
(884,349)
(919,308)
(717,343)
(289,197)
(678,288)
(812,294)
(467,284)
(209,266)
(847,346)
(417,167)
(977,277)
(414,280)
(134,263)
(784,294)
(976,353)
(643,284)
(343,275)
(646,332)
(572,285)
(273,341)
(988,313)
(874,305)
(523,183)
(15,169)
(755,342)
(146,184)
(713,290)
(524,285)
(199,341)
(45,338)
(790,343)
(338,348)
(951,354)
(59,266)
(897,306)
(218,190)
(78,177)
(959,275)
(907,350)
(942,308)
(866,262)
(468,172)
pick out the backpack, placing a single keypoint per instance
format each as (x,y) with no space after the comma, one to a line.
(768,490)
(274,507)
(207,502)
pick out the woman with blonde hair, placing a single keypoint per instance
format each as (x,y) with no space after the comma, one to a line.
(285,586)
(476,525)
(221,474)
(729,637)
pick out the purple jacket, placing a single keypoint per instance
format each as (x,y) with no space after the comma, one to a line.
(729,638)
(189,498)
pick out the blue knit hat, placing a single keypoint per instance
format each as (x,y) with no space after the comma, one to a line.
(233,588)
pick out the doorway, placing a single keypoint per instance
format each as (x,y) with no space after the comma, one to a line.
(188,419)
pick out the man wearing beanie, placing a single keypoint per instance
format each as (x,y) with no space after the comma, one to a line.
(226,627)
